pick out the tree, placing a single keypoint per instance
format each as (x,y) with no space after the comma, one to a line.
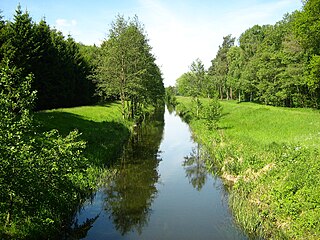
(127,69)
(2,35)
(60,72)
(250,41)
(219,68)
(235,59)
(170,97)
(195,82)
(19,46)
(197,79)
(307,30)
(274,64)
(307,26)
(183,86)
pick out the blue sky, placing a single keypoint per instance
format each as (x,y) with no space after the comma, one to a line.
(179,30)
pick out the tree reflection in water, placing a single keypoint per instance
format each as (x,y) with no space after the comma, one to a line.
(131,192)
(195,167)
(79,231)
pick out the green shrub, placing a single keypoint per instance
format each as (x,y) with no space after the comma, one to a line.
(43,177)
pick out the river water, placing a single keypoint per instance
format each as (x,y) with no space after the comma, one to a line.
(161,190)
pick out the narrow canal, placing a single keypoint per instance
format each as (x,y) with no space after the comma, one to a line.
(161,190)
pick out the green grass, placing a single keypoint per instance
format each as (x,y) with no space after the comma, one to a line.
(263,125)
(53,177)
(53,172)
(270,158)
(102,128)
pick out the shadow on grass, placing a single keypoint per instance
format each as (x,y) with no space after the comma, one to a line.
(224,114)
(224,127)
(104,139)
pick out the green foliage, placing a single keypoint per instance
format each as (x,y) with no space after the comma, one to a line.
(102,128)
(170,96)
(307,26)
(195,83)
(207,111)
(270,158)
(235,58)
(127,69)
(43,176)
(183,86)
(197,79)
(273,64)
(220,67)
(196,108)
(211,113)
(59,68)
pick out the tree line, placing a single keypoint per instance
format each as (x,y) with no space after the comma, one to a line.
(271,64)
(67,73)
(44,176)
(60,70)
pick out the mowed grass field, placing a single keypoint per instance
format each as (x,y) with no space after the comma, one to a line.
(263,125)
(269,156)
(102,128)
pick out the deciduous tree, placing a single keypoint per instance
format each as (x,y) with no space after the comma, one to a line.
(127,69)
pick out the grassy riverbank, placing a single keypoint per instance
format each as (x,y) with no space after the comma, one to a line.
(48,170)
(101,127)
(104,131)
(270,157)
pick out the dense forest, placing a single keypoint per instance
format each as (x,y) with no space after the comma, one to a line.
(60,70)
(44,175)
(271,64)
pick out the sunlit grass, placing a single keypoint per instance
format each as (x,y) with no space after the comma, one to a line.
(270,157)
(98,113)
(102,127)
(263,125)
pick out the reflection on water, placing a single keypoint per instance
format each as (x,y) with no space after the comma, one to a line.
(161,190)
(80,231)
(195,167)
(129,196)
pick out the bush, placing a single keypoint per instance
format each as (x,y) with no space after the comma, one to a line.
(42,176)
(211,113)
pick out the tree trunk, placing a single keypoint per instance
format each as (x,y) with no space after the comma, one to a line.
(9,215)
(123,106)
(132,108)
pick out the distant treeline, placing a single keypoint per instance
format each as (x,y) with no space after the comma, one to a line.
(272,64)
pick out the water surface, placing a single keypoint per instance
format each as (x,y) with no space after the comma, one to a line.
(161,191)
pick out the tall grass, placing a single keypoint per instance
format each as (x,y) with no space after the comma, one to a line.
(270,157)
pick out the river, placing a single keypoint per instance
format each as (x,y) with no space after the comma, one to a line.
(161,190)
